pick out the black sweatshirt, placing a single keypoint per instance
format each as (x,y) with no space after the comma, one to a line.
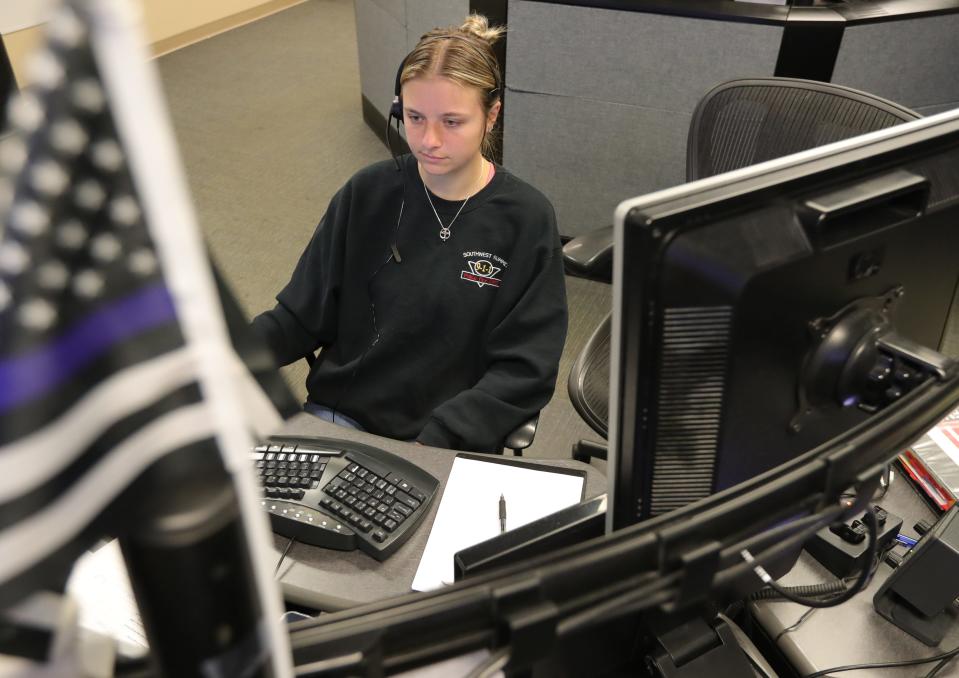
(455,343)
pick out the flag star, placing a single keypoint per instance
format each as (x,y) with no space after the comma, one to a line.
(45,70)
(37,314)
(89,194)
(107,155)
(53,275)
(65,28)
(13,154)
(68,137)
(71,234)
(105,248)
(26,111)
(143,262)
(124,210)
(5,296)
(88,95)
(88,284)
(13,258)
(49,178)
(29,218)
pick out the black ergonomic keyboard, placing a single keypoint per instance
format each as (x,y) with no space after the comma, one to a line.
(342,495)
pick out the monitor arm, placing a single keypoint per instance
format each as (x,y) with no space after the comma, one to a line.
(858,360)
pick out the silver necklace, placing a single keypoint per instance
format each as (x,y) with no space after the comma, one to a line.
(445,232)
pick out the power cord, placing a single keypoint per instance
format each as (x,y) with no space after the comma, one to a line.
(943,658)
(289,545)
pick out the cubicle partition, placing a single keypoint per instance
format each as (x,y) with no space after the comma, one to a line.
(599,93)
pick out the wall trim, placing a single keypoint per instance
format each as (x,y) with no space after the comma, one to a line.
(227,23)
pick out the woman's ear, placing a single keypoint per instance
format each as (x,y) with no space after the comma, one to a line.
(493,114)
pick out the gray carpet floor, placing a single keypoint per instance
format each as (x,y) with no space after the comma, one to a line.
(269,125)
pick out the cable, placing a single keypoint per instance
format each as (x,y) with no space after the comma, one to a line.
(828,588)
(634,601)
(887,665)
(939,667)
(799,622)
(289,545)
(864,576)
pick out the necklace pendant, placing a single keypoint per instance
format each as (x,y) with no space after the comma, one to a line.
(444,234)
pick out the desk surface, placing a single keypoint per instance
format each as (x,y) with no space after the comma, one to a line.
(333,580)
(854,633)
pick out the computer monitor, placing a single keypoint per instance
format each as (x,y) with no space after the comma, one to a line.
(761,313)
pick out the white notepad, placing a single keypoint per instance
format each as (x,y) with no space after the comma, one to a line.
(469,510)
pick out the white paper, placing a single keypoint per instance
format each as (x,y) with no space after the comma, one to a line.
(469,510)
(101,587)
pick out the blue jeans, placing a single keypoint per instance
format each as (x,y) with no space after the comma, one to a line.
(327,414)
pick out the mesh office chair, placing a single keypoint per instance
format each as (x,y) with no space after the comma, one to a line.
(736,124)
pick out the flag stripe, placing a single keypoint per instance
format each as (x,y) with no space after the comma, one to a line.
(34,499)
(28,377)
(32,416)
(34,459)
(45,531)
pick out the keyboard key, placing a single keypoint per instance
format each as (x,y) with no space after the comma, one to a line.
(407,499)
(379,535)
(372,478)
(382,508)
(403,508)
(281,456)
(370,512)
(390,525)
(364,525)
(388,500)
(417,494)
(405,486)
(362,496)
(353,468)
(394,479)
(378,518)
(395,515)
(362,472)
(304,457)
(390,490)
(296,494)
(349,500)
(274,448)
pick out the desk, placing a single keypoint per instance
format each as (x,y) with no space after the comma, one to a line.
(334,580)
(853,632)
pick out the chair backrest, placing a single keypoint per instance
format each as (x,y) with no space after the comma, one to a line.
(588,383)
(740,123)
(744,122)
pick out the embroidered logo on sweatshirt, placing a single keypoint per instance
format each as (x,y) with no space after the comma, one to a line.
(482,272)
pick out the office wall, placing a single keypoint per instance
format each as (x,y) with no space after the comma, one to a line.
(914,62)
(598,102)
(386,30)
(169,23)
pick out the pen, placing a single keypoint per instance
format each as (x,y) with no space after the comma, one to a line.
(502,514)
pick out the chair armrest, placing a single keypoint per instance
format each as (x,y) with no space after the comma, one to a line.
(522,436)
(584,450)
(591,255)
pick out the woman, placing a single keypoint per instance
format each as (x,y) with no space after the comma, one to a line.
(434,285)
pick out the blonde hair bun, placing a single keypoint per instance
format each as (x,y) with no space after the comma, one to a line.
(478,25)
